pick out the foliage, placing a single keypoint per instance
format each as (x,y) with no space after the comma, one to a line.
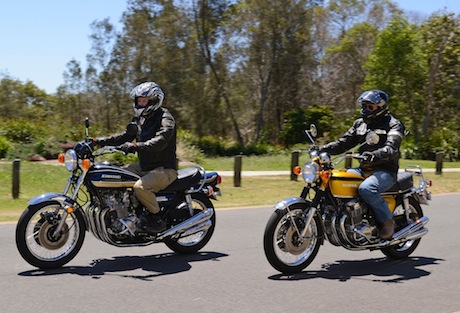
(239,76)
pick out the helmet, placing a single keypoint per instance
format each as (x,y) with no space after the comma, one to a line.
(149,90)
(376,97)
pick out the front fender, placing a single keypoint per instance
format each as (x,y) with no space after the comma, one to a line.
(288,202)
(51,196)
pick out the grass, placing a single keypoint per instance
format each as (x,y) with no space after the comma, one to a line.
(38,178)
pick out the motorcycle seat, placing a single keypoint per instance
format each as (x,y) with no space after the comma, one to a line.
(404,182)
(186,178)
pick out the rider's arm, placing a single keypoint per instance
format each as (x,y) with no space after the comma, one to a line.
(346,142)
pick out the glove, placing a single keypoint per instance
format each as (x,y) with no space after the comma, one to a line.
(368,157)
(313,148)
(128,147)
(92,142)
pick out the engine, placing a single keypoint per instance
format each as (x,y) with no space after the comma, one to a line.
(121,214)
(350,225)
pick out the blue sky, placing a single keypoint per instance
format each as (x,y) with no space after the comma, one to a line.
(39,37)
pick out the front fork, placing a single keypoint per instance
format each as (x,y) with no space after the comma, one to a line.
(311,212)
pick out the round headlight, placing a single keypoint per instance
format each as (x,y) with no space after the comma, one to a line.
(70,160)
(310,172)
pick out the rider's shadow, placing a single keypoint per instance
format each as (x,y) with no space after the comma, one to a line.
(377,270)
(151,265)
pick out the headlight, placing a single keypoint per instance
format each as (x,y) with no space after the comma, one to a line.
(310,172)
(70,160)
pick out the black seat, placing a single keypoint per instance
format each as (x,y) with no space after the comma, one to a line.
(186,178)
(405,182)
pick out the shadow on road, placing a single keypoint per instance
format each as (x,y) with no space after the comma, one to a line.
(377,270)
(151,265)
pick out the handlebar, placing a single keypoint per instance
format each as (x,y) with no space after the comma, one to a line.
(108,150)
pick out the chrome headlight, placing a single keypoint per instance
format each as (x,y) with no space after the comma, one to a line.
(310,172)
(70,160)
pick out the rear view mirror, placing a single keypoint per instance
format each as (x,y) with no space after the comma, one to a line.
(131,129)
(313,130)
(372,138)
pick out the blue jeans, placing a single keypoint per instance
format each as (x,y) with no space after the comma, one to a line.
(370,190)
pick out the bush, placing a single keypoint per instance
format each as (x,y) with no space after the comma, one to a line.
(5,147)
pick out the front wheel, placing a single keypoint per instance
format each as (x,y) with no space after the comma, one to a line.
(285,249)
(35,237)
(196,241)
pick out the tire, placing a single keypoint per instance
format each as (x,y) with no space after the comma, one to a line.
(195,242)
(34,240)
(405,249)
(283,248)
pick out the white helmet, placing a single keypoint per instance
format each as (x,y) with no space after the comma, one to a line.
(149,90)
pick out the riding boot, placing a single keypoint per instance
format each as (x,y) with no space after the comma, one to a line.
(151,223)
(387,229)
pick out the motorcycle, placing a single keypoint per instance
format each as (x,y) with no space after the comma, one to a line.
(329,208)
(99,198)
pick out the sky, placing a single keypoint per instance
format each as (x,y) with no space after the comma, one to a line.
(39,37)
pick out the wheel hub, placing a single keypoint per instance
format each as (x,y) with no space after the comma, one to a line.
(46,239)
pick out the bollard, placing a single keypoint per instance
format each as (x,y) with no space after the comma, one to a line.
(237,170)
(16,166)
(294,163)
(439,158)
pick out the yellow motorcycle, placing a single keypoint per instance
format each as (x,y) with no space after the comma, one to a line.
(330,208)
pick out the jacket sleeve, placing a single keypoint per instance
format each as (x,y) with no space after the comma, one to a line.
(164,134)
(346,142)
(115,140)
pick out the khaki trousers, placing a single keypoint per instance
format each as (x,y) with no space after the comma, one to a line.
(150,183)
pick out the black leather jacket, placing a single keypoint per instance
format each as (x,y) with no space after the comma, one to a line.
(155,140)
(386,151)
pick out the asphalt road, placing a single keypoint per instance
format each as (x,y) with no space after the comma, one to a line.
(231,274)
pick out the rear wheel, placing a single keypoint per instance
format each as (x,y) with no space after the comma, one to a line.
(403,250)
(284,248)
(195,241)
(35,238)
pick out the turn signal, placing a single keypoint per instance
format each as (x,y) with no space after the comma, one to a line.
(297,170)
(69,210)
(61,158)
(85,164)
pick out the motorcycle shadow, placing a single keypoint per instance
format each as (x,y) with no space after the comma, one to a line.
(378,270)
(151,266)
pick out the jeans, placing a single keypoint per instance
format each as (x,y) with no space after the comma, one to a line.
(370,190)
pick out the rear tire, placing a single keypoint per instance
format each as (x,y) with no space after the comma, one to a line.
(405,249)
(195,242)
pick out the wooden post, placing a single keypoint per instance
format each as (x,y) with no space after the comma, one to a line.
(348,161)
(294,163)
(15,189)
(237,169)
(439,158)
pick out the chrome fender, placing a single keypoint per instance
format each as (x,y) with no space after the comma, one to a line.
(288,202)
(51,196)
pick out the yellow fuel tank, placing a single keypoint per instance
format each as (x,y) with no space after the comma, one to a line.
(345,185)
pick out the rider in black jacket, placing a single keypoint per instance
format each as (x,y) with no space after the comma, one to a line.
(381,163)
(156,147)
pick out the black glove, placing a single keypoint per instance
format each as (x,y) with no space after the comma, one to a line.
(368,156)
(313,148)
(128,147)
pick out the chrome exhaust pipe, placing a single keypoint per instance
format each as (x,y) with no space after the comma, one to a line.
(188,224)
(201,227)
(418,234)
(410,229)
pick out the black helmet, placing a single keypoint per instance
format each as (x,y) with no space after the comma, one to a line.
(149,90)
(376,99)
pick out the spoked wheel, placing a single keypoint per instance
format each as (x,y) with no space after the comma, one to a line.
(195,240)
(36,241)
(403,250)
(286,250)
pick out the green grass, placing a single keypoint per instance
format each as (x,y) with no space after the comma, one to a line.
(38,178)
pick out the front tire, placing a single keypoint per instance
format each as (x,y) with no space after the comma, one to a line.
(403,250)
(284,249)
(35,240)
(195,242)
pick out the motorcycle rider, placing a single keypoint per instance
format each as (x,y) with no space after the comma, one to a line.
(381,161)
(155,144)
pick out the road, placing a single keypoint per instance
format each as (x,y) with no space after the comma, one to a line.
(231,274)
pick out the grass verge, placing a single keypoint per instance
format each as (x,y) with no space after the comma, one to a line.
(37,178)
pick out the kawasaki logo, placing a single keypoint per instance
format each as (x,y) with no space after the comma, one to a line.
(111,176)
